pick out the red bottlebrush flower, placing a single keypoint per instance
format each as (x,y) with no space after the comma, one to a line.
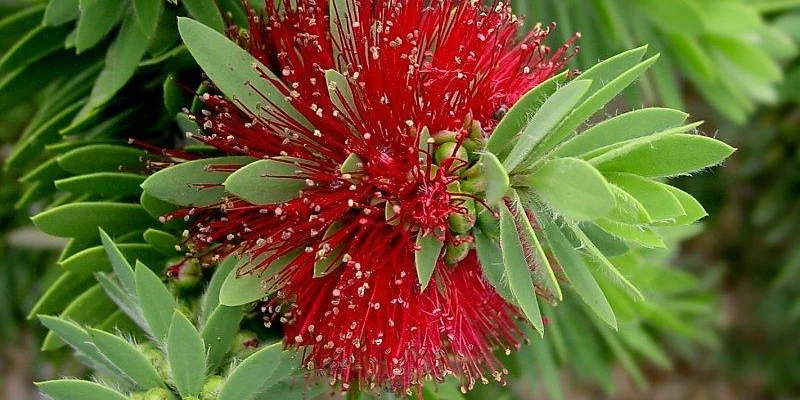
(339,252)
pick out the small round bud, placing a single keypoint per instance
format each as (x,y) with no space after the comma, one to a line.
(158,394)
(211,387)
(456,253)
(448,150)
(188,276)
(444,137)
(246,344)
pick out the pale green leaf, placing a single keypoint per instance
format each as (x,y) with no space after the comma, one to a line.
(155,301)
(187,184)
(126,358)
(659,202)
(426,257)
(72,389)
(497,180)
(186,356)
(272,181)
(573,188)
(253,375)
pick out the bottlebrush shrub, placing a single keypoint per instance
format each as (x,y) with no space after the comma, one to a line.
(198,353)
(400,200)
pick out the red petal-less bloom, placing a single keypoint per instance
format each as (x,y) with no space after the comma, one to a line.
(443,65)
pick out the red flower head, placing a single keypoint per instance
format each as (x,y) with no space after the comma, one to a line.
(367,170)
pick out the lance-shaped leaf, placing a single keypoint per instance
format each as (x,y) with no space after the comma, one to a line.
(491,259)
(155,301)
(253,375)
(126,358)
(71,389)
(81,220)
(236,73)
(638,234)
(517,270)
(426,256)
(557,106)
(659,202)
(542,272)
(573,188)
(693,209)
(242,289)
(195,183)
(578,272)
(518,116)
(666,155)
(186,355)
(95,259)
(631,125)
(271,181)
(219,333)
(496,177)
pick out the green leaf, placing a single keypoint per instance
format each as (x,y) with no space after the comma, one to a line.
(125,301)
(101,158)
(600,94)
(497,180)
(621,128)
(187,184)
(666,155)
(207,12)
(610,270)
(122,60)
(491,260)
(155,301)
(233,70)
(553,111)
(338,89)
(519,115)
(426,257)
(243,289)
(211,295)
(30,146)
(186,355)
(333,258)
(162,241)
(693,209)
(573,188)
(75,336)
(659,202)
(97,19)
(544,278)
(90,308)
(95,259)
(71,389)
(219,333)
(627,209)
(35,45)
(253,375)
(148,12)
(60,293)
(82,219)
(126,358)
(751,59)
(679,16)
(271,181)
(517,270)
(60,12)
(578,272)
(102,184)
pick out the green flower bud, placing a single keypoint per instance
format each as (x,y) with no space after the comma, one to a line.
(448,150)
(456,253)
(488,223)
(462,223)
(188,276)
(444,137)
(137,395)
(211,387)
(246,344)
(158,394)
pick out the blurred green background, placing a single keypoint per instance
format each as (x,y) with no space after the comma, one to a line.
(725,316)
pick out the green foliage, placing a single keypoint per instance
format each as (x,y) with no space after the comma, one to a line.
(725,49)
(174,358)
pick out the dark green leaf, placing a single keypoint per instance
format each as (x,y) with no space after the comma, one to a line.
(101,158)
(60,293)
(90,308)
(148,12)
(83,219)
(95,259)
(97,19)
(59,12)
(207,12)
(102,184)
